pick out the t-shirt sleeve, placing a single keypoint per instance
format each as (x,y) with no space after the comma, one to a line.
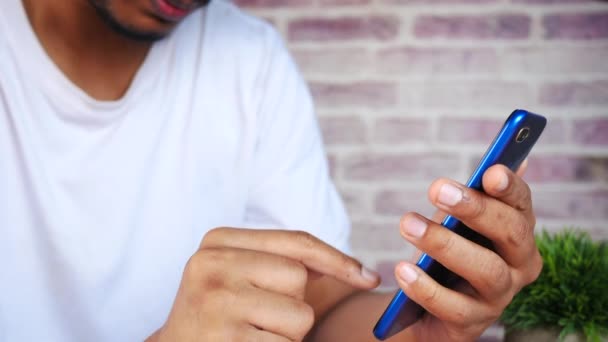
(291,187)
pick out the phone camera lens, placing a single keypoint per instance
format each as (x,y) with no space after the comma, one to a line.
(523,134)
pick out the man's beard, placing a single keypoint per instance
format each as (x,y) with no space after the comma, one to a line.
(104,11)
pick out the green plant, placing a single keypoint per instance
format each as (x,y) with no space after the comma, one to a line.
(572,290)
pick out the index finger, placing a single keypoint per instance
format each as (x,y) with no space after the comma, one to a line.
(315,254)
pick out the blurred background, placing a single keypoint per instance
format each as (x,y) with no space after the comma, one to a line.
(409,90)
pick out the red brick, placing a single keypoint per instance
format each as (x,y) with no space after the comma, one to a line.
(273,3)
(430,61)
(328,62)
(356,202)
(401,130)
(467,94)
(581,26)
(398,203)
(366,94)
(575,93)
(404,167)
(345,28)
(556,60)
(469,131)
(571,205)
(554,133)
(591,131)
(497,26)
(343,130)
(567,168)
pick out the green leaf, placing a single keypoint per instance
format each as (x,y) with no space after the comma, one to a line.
(571,291)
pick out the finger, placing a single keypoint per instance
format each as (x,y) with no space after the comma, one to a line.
(265,336)
(447,305)
(275,313)
(483,269)
(509,229)
(301,246)
(258,335)
(267,271)
(501,183)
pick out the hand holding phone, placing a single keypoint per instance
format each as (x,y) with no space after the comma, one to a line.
(510,147)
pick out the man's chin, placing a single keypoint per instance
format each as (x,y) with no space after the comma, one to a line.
(140,35)
(130,31)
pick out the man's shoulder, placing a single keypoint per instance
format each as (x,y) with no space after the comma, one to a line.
(225,25)
(230,16)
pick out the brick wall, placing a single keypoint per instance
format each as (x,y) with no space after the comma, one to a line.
(409,90)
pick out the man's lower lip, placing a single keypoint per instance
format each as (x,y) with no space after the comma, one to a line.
(170,12)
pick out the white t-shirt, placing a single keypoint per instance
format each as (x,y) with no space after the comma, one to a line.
(102,203)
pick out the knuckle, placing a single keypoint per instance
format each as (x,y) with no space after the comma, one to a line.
(213,236)
(445,243)
(478,205)
(195,266)
(217,256)
(297,267)
(306,317)
(305,238)
(298,273)
(206,261)
(498,274)
(205,282)
(431,296)
(461,316)
(519,232)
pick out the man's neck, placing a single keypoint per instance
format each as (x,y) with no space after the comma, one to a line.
(89,52)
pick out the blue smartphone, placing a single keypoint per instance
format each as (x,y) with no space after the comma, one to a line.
(510,147)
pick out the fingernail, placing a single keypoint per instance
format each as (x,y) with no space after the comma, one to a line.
(369,275)
(503,182)
(407,273)
(449,195)
(414,227)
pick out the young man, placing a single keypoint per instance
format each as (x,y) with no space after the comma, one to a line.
(130,128)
